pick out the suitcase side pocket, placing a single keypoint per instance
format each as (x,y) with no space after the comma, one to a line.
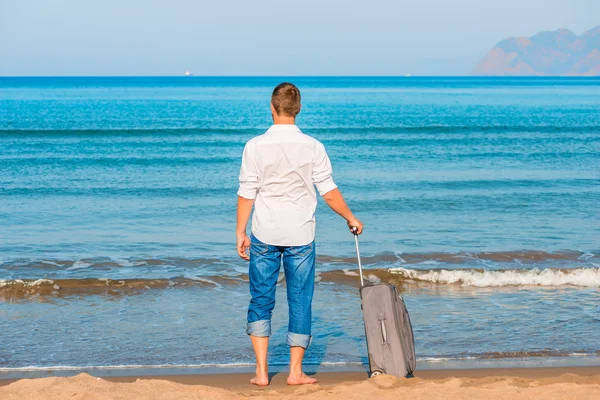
(407,340)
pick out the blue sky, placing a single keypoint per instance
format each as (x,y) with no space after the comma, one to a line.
(265,37)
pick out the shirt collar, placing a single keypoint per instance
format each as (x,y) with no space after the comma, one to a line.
(283,128)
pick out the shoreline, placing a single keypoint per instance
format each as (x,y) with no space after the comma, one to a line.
(457,366)
(514,383)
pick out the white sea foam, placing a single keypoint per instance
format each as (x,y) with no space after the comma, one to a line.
(442,359)
(78,265)
(5,282)
(583,277)
(399,257)
(318,277)
(41,281)
(50,263)
(199,279)
(349,273)
(126,263)
(235,278)
(163,366)
(430,262)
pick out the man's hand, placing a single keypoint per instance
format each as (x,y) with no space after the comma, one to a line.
(244,209)
(355,223)
(243,243)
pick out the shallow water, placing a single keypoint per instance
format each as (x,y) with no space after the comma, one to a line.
(117,197)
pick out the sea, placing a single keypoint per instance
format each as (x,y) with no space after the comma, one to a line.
(480,199)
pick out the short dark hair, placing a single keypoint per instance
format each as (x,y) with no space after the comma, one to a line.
(286,99)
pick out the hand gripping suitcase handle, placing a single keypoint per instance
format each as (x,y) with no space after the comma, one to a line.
(360,271)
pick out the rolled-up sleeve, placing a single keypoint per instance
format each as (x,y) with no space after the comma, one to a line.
(322,170)
(248,174)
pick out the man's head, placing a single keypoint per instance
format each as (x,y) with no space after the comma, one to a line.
(285,101)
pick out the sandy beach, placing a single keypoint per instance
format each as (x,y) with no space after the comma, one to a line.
(519,383)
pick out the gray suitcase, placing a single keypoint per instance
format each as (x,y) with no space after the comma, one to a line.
(390,340)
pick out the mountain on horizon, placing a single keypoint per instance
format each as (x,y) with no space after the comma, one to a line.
(550,53)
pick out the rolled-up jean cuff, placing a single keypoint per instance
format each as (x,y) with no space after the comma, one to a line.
(260,328)
(298,340)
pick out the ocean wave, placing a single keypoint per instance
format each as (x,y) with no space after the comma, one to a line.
(16,289)
(128,131)
(510,354)
(204,280)
(78,265)
(581,277)
(500,258)
(224,365)
(528,257)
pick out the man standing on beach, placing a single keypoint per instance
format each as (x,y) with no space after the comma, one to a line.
(279,172)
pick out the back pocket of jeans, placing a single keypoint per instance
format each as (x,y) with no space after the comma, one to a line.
(258,249)
(302,251)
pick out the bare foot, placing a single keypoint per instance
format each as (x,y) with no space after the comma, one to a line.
(301,379)
(261,378)
(259,381)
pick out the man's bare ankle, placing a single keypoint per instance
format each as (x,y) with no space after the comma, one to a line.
(262,368)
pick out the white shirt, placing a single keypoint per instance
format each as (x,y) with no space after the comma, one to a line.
(280,170)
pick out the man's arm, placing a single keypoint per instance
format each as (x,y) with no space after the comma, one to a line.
(335,200)
(246,195)
(244,209)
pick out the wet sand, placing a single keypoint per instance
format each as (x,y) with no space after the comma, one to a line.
(515,383)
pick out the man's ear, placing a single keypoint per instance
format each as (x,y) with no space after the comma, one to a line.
(273,111)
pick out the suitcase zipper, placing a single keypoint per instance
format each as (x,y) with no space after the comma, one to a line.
(383,331)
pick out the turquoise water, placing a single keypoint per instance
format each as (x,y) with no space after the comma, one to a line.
(117,200)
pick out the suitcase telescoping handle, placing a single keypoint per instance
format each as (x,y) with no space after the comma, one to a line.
(360,272)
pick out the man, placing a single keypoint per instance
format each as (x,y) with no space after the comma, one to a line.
(279,172)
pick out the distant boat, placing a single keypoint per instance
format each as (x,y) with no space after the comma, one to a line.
(407,75)
(188,73)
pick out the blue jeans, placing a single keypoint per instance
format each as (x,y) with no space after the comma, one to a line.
(299,267)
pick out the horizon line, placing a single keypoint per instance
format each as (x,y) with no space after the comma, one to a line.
(299,76)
